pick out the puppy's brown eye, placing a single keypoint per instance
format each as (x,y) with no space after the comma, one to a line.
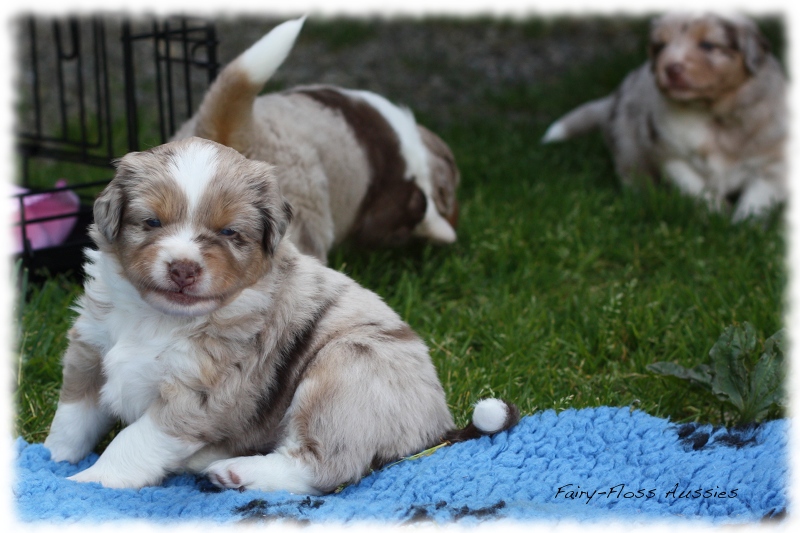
(227,232)
(707,46)
(153,222)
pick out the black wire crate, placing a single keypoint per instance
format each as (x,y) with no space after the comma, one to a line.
(89,90)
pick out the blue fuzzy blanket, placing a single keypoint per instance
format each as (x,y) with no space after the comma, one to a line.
(577,465)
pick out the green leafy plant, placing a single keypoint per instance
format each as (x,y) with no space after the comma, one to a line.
(752,384)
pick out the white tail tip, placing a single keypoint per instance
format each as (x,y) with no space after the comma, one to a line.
(261,60)
(556,132)
(490,415)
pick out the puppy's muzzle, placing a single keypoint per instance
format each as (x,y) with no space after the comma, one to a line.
(675,71)
(184,273)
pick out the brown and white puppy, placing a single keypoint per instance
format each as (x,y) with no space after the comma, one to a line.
(226,351)
(707,112)
(352,164)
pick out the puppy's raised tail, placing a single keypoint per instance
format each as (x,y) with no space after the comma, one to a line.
(489,416)
(580,120)
(225,115)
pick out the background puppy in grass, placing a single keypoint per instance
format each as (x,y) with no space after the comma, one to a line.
(228,352)
(707,112)
(352,164)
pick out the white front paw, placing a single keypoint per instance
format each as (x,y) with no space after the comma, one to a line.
(63,451)
(142,454)
(93,474)
(118,475)
(75,430)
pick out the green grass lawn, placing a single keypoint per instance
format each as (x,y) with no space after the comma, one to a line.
(562,287)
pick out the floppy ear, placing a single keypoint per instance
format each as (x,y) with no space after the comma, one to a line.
(753,45)
(276,212)
(277,218)
(108,208)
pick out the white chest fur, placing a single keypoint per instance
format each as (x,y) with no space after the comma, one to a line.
(135,366)
(687,133)
(691,136)
(141,347)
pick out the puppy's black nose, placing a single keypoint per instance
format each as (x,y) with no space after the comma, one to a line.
(184,273)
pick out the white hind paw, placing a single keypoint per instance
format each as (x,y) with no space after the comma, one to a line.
(262,472)
(228,474)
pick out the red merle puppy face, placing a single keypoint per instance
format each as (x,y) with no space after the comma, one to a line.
(703,57)
(192,224)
